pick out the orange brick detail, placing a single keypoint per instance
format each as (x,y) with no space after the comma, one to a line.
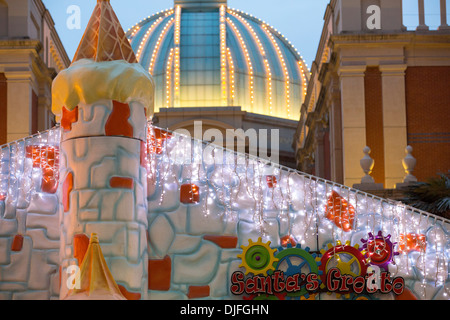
(195,292)
(80,245)
(67,189)
(155,140)
(17,243)
(159,274)
(406,295)
(68,118)
(189,193)
(129,295)
(49,180)
(225,242)
(271,181)
(46,158)
(288,239)
(117,123)
(121,182)
(412,242)
(43,156)
(340,212)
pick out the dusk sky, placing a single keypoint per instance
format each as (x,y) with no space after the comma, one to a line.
(300,21)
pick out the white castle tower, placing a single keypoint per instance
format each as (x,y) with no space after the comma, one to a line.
(102,101)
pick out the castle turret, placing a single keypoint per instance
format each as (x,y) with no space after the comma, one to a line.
(102,102)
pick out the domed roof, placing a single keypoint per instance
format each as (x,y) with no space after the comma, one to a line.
(203,54)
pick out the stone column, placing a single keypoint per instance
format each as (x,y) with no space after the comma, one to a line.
(335,133)
(19,98)
(422,25)
(394,122)
(444,25)
(353,120)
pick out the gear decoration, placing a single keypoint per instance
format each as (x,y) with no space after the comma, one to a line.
(380,250)
(257,258)
(348,259)
(295,260)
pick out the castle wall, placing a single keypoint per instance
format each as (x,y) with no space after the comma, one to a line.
(29,219)
(200,217)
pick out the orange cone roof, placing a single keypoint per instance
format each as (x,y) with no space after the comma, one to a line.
(104,38)
(96,281)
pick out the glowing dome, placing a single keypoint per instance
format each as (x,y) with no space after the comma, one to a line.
(203,54)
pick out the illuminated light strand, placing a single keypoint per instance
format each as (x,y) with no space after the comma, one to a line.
(177,73)
(285,69)
(232,72)
(263,54)
(169,78)
(134,29)
(177,36)
(177,24)
(302,66)
(146,37)
(223,55)
(249,62)
(431,265)
(158,43)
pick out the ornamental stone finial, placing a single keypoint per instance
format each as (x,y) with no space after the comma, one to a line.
(367,164)
(409,163)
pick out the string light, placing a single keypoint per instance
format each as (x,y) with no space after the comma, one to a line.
(248,60)
(144,41)
(223,55)
(263,55)
(232,75)
(169,78)
(158,43)
(285,69)
(177,37)
(242,188)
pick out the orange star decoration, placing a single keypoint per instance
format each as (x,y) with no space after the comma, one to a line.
(340,212)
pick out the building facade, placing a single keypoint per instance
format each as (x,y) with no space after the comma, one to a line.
(221,66)
(376,84)
(31,54)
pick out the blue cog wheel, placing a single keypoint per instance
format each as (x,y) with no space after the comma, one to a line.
(295,260)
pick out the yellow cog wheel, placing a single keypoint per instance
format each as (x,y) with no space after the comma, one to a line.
(257,257)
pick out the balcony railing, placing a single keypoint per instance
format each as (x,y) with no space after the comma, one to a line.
(424,15)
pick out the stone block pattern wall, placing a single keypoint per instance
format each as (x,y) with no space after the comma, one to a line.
(29,219)
(202,210)
(189,227)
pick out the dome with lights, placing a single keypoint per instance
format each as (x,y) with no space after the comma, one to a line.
(201,53)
